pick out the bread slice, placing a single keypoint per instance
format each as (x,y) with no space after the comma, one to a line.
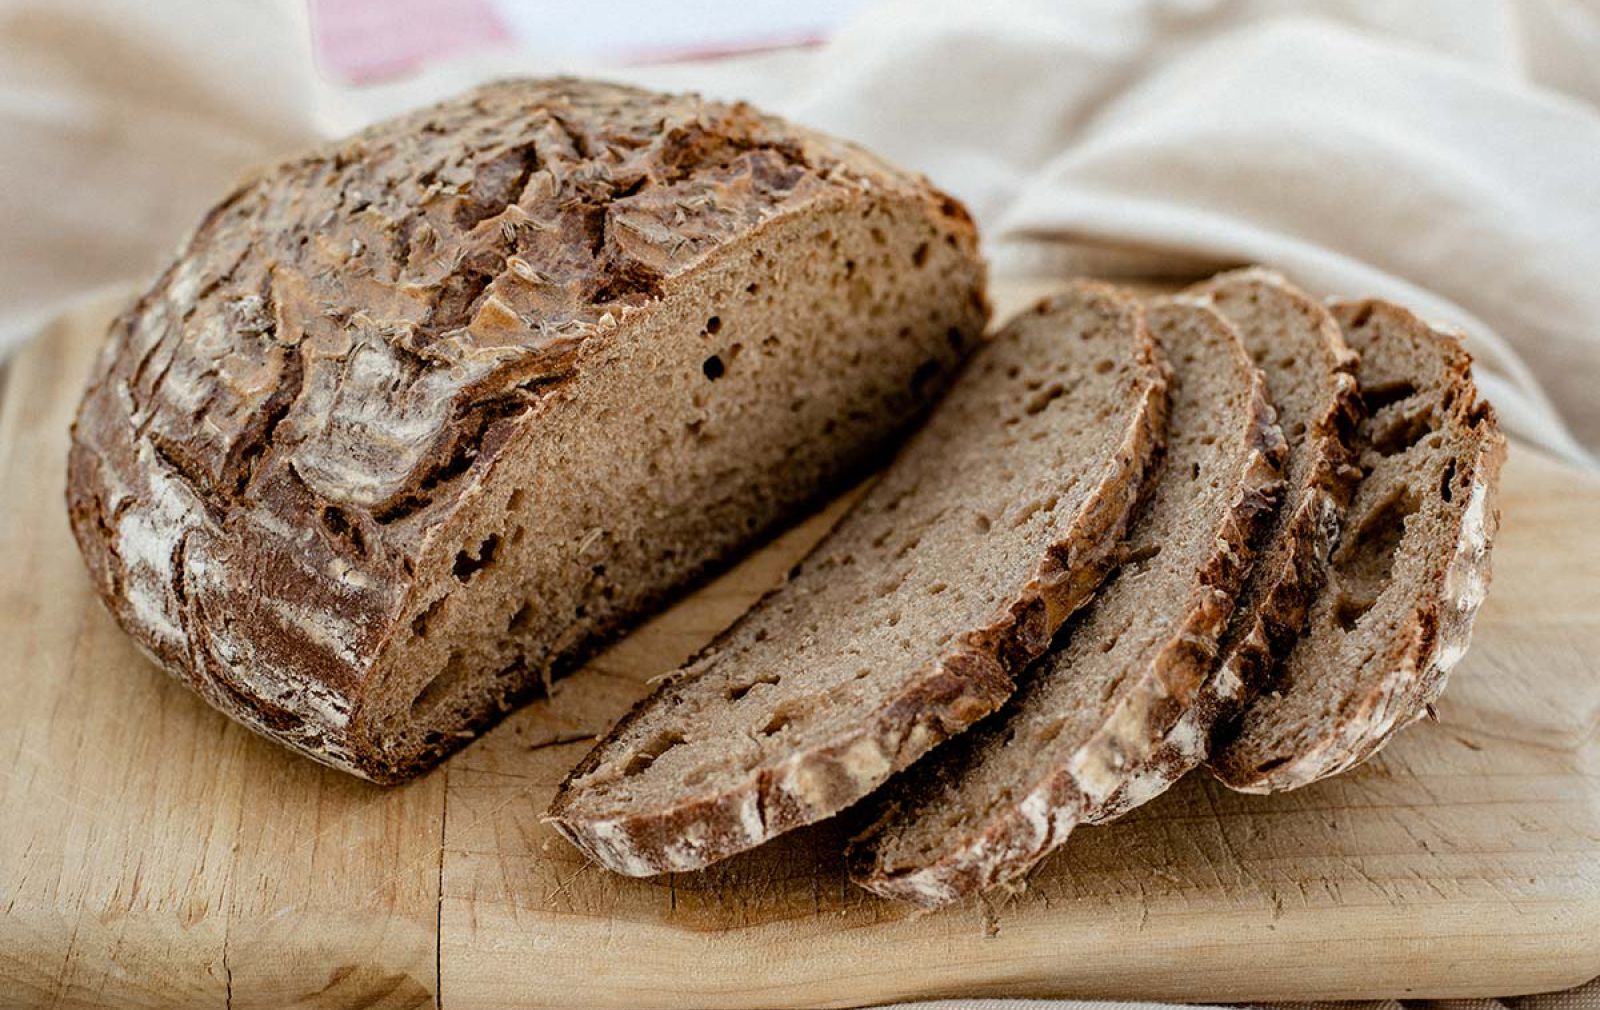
(1001,797)
(419,419)
(912,619)
(1310,375)
(1410,571)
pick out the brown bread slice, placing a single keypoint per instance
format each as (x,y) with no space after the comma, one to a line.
(912,619)
(1310,375)
(1410,572)
(986,809)
(419,418)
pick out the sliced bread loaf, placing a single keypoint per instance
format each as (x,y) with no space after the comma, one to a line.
(999,798)
(912,619)
(1410,571)
(417,419)
(1310,375)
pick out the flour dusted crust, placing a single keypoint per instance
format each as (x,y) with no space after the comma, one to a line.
(282,428)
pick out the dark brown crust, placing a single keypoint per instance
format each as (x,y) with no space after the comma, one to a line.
(1263,629)
(1025,830)
(1437,631)
(974,679)
(280,429)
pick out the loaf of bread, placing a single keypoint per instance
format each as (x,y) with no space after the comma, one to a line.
(417,419)
(912,619)
(1090,715)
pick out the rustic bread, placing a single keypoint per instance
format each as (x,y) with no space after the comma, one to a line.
(911,620)
(998,799)
(417,419)
(1310,375)
(1410,571)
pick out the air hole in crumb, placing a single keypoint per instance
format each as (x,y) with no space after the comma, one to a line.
(443,684)
(1279,762)
(1348,611)
(1039,401)
(736,691)
(522,619)
(651,752)
(919,257)
(1104,365)
(923,375)
(937,588)
(1194,471)
(1139,555)
(714,325)
(1365,561)
(1402,433)
(712,368)
(782,717)
(1297,431)
(467,564)
(419,624)
(1380,396)
(982,522)
(514,503)
(1446,488)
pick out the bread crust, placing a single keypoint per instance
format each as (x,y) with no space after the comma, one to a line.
(282,429)
(1437,631)
(1023,831)
(971,680)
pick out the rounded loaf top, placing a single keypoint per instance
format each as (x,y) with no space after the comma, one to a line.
(349,338)
(369,306)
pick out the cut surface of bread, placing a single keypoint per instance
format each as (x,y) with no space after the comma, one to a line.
(1310,376)
(985,809)
(911,619)
(1410,571)
(419,418)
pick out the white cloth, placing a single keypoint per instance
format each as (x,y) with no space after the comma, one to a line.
(1445,153)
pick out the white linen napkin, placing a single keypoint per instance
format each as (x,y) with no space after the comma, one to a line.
(1444,153)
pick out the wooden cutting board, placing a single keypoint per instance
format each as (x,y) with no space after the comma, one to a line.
(152,853)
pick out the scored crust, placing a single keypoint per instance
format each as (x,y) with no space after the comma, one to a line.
(1414,627)
(1015,828)
(282,467)
(790,784)
(1293,557)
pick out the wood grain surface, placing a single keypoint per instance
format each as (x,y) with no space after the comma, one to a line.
(152,853)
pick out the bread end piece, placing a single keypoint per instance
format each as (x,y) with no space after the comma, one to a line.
(1410,573)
